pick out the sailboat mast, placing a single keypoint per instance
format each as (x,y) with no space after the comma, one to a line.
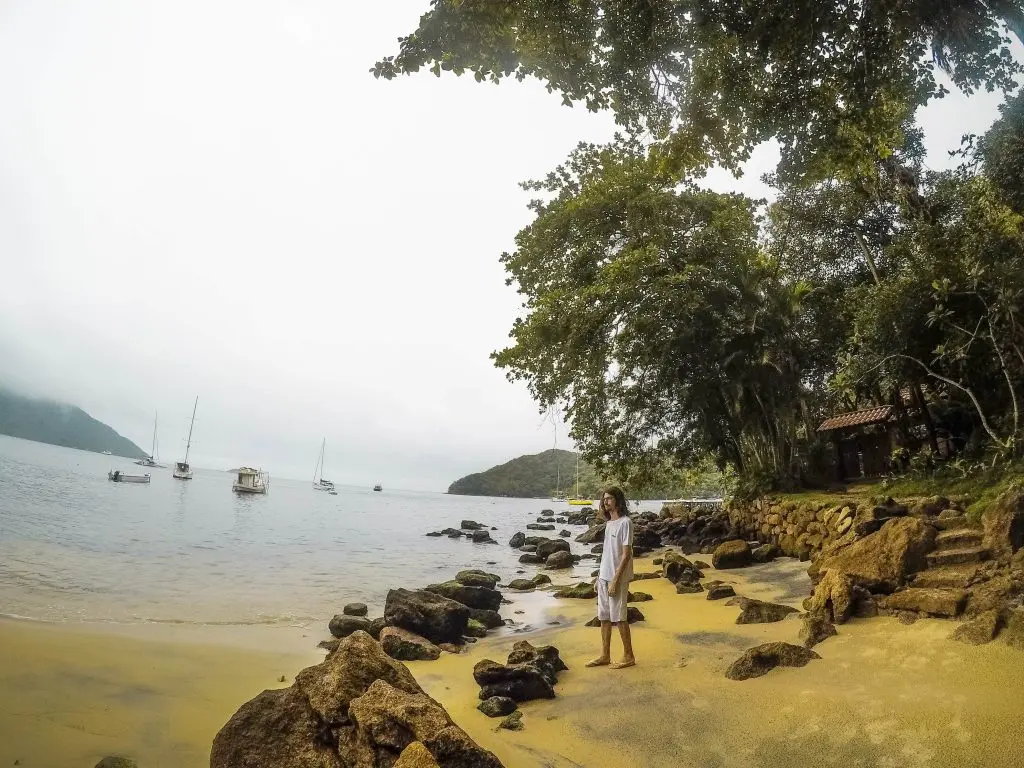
(577,474)
(188,444)
(152,450)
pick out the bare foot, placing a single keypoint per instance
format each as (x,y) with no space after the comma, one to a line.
(604,661)
(624,663)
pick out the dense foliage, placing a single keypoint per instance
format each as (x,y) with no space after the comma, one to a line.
(677,324)
(48,422)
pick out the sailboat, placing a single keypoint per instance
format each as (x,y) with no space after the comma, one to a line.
(150,461)
(559,495)
(319,484)
(575,500)
(182,470)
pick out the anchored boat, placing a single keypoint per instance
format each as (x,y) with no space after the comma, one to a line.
(116,476)
(251,480)
(182,470)
(319,483)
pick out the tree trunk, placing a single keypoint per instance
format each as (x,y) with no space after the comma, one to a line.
(915,390)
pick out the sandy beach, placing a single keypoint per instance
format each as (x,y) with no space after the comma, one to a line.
(883,694)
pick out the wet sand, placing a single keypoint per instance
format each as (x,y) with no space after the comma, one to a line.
(70,694)
(883,694)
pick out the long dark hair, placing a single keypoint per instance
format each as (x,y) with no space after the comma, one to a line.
(620,501)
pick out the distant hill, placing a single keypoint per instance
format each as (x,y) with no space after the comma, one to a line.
(530,477)
(46,421)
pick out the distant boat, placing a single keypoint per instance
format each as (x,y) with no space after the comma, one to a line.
(319,484)
(576,501)
(116,476)
(150,461)
(558,498)
(107,453)
(378,487)
(251,480)
(182,470)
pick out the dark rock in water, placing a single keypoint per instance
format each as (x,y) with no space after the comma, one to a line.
(700,565)
(562,521)
(376,625)
(522,584)
(718,590)
(762,659)
(544,657)
(760,612)
(455,535)
(403,645)
(549,547)
(355,609)
(112,762)
(595,574)
(497,706)
(581,591)
(689,588)
(764,554)
(539,527)
(638,597)
(597,549)
(531,548)
(477,578)
(483,537)
(490,619)
(541,578)
(565,533)
(435,533)
(816,627)
(470,525)
(436,618)
(520,683)
(343,626)
(558,560)
(535,541)
(475,629)
(592,535)
(732,554)
(471,597)
(517,540)
(531,559)
(513,722)
(329,645)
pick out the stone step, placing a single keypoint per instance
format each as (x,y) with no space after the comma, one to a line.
(948,576)
(950,523)
(948,603)
(955,556)
(958,538)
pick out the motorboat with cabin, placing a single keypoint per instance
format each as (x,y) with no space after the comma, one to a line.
(117,476)
(251,480)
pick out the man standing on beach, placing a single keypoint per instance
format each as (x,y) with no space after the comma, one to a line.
(613,578)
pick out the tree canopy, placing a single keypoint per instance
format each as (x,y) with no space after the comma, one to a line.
(834,81)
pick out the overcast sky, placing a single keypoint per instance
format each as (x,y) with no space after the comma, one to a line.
(216,198)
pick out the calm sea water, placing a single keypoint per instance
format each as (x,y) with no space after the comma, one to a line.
(76,547)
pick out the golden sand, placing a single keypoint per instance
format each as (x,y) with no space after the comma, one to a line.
(70,694)
(883,694)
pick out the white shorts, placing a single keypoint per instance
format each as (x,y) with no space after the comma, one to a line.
(612,607)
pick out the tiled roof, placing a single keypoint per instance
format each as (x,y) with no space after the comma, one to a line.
(857,418)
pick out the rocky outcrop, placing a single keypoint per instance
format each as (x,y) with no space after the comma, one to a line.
(356,709)
(718,590)
(530,673)
(517,540)
(559,560)
(882,561)
(582,591)
(678,569)
(531,559)
(732,554)
(946,603)
(433,616)
(1003,524)
(982,629)
(482,537)
(539,527)
(592,535)
(816,627)
(761,659)
(471,597)
(833,597)
(497,706)
(471,525)
(490,619)
(477,578)
(548,547)
(404,645)
(355,609)
(416,756)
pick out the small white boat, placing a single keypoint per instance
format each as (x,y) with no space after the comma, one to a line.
(378,487)
(319,483)
(107,453)
(251,480)
(116,476)
(182,470)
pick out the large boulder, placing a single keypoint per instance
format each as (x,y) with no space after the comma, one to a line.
(355,609)
(482,537)
(477,578)
(343,626)
(517,540)
(416,756)
(679,569)
(558,560)
(816,627)
(983,628)
(471,525)
(718,590)
(544,657)
(549,547)
(490,619)
(404,645)
(388,719)
(582,591)
(431,615)
(732,554)
(592,535)
(497,706)
(520,682)
(1004,524)
(882,561)
(522,584)
(539,527)
(471,597)
(530,558)
(761,659)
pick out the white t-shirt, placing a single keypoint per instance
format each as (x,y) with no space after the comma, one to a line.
(617,534)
